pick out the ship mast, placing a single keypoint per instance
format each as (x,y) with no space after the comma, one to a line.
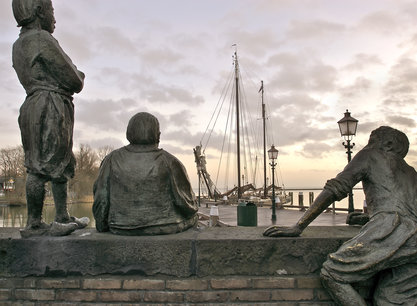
(264,136)
(239,191)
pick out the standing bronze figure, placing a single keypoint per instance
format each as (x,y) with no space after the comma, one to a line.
(46,118)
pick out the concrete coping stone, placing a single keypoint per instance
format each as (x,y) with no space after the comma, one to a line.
(196,252)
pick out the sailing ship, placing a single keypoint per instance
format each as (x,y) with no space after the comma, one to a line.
(240,191)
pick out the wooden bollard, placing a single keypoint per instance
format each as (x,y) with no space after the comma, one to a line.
(311,197)
(301,201)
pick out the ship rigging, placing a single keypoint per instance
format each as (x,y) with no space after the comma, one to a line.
(241,132)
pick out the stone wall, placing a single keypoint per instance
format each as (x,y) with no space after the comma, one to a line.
(218,265)
(243,290)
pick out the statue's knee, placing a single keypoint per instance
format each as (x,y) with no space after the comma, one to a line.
(325,278)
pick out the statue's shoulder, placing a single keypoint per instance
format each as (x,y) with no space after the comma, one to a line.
(171,159)
(168,155)
(35,39)
(107,159)
(117,152)
(369,153)
(36,34)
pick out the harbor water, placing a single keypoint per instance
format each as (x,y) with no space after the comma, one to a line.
(16,215)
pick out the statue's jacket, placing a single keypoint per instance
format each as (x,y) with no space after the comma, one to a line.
(141,186)
(46,117)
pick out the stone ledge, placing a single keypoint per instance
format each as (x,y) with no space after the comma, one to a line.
(208,252)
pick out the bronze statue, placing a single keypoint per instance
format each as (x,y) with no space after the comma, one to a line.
(387,243)
(46,118)
(141,189)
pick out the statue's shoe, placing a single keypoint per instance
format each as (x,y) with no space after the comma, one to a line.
(34,232)
(35,228)
(62,229)
(81,222)
(55,229)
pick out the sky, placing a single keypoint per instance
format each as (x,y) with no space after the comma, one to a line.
(317,58)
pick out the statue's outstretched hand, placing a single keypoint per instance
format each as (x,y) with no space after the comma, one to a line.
(357,218)
(281,231)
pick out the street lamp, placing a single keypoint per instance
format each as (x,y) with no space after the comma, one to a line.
(347,126)
(199,184)
(273,155)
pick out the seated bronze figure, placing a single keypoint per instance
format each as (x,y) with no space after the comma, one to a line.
(142,189)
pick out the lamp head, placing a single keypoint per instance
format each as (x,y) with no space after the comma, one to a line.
(347,125)
(273,153)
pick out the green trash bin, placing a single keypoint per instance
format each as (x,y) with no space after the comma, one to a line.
(247,214)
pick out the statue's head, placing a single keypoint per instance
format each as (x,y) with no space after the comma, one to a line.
(143,129)
(389,139)
(27,12)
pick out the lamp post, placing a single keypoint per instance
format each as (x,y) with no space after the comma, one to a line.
(273,155)
(199,184)
(347,126)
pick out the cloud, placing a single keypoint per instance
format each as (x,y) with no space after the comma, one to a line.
(361,61)
(296,118)
(214,140)
(316,150)
(113,40)
(382,22)
(9,83)
(300,72)
(182,119)
(182,138)
(360,86)
(110,118)
(191,41)
(302,30)
(409,8)
(410,44)
(170,94)
(366,127)
(148,88)
(255,43)
(403,102)
(401,120)
(403,77)
(79,47)
(103,142)
(7,20)
(175,150)
(274,6)
(6,48)
(105,114)
(5,9)
(290,105)
(311,55)
(160,58)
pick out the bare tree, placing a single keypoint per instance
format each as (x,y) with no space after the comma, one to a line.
(13,173)
(86,160)
(85,172)
(102,152)
(12,162)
